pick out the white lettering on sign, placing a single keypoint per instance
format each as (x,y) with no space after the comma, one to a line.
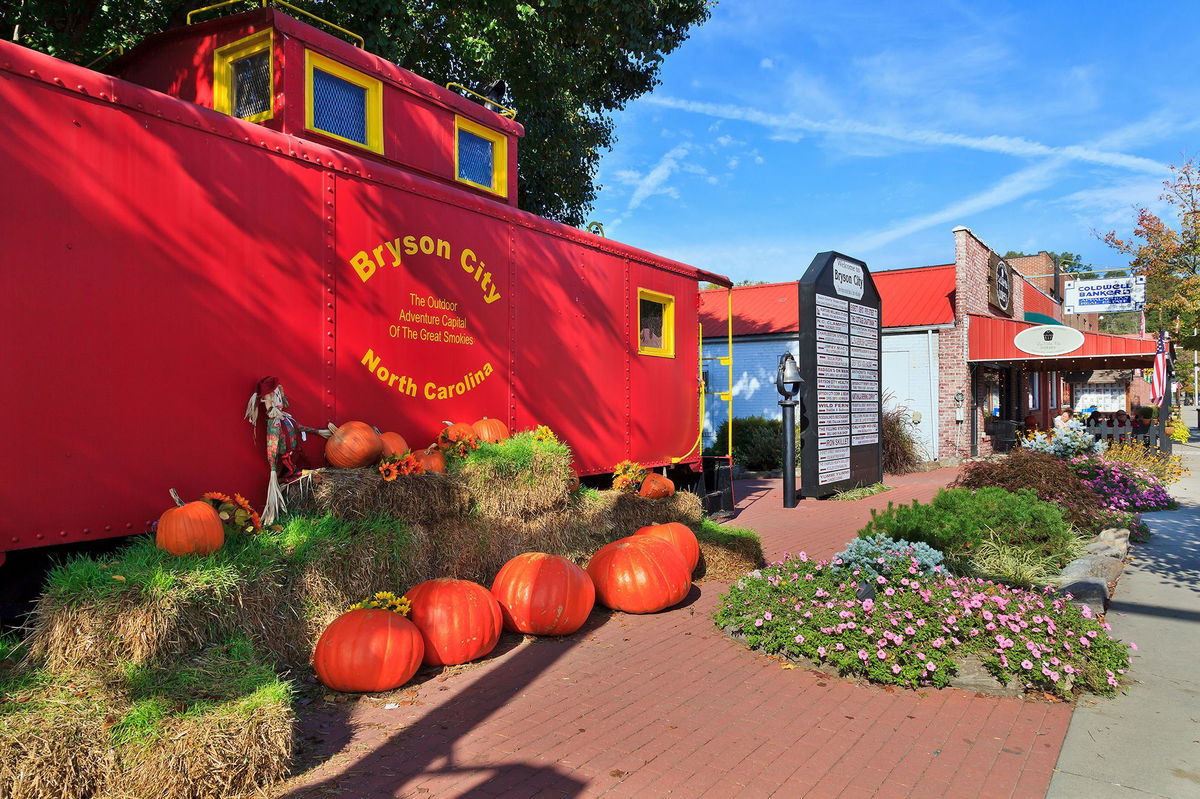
(833,441)
(872,438)
(830,302)
(824,478)
(864,310)
(827,337)
(848,280)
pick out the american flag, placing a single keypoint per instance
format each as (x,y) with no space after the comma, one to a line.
(1158,383)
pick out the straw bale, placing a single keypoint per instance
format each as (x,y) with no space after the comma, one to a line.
(363,493)
(61,755)
(219,753)
(721,563)
(501,491)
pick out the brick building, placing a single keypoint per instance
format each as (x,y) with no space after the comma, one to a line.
(948,347)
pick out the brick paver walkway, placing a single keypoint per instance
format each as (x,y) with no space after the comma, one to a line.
(645,706)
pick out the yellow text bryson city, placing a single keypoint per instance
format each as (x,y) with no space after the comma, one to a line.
(392,253)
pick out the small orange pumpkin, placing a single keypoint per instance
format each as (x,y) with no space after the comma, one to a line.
(655,486)
(393,445)
(193,528)
(432,459)
(352,445)
(454,432)
(493,431)
(679,536)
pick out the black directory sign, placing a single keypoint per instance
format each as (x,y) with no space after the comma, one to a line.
(841,397)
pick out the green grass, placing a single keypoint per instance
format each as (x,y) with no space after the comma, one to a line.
(140,566)
(862,492)
(724,536)
(230,679)
(513,458)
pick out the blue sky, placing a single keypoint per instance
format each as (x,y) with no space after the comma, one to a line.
(782,129)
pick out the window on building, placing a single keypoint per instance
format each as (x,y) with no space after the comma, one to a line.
(243,83)
(480,156)
(1035,391)
(343,103)
(656,324)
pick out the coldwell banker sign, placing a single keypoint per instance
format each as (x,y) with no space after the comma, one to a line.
(839,360)
(1111,295)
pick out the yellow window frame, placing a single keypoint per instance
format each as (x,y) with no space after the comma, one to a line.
(667,350)
(223,59)
(499,142)
(374,100)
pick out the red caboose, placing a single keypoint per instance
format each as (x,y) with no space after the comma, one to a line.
(251,196)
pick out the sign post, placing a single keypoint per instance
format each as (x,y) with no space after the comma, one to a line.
(840,350)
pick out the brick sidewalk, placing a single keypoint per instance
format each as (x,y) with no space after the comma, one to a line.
(646,706)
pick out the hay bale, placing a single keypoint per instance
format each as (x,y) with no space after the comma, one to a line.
(64,755)
(719,562)
(364,494)
(520,478)
(225,752)
(615,514)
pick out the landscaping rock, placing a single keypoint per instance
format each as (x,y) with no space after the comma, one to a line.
(1108,549)
(1108,569)
(865,591)
(1114,535)
(972,676)
(1090,591)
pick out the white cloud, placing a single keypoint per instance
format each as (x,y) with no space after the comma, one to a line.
(790,126)
(766,63)
(655,181)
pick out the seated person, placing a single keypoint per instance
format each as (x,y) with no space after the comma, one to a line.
(1121,418)
(1060,421)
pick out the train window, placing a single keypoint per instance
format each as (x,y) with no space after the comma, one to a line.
(656,324)
(343,103)
(243,84)
(480,156)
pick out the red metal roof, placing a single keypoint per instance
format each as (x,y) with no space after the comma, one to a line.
(990,339)
(918,297)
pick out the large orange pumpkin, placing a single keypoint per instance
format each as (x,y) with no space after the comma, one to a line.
(454,431)
(679,536)
(393,444)
(432,459)
(493,431)
(368,650)
(352,445)
(639,574)
(542,594)
(194,528)
(459,620)
(656,486)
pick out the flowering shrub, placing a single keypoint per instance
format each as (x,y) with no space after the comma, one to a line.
(1167,468)
(1121,485)
(879,554)
(959,519)
(1051,478)
(914,630)
(1066,442)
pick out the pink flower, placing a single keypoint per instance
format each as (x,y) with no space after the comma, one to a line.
(931,667)
(799,639)
(881,580)
(1027,665)
(862,654)
(1133,646)
(881,655)
(758,622)
(895,668)
(821,651)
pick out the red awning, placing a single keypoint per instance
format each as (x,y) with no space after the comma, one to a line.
(990,340)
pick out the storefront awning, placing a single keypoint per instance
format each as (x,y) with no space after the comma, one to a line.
(990,341)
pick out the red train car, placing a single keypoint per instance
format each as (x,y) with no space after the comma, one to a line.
(251,196)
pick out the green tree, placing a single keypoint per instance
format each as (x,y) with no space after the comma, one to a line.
(568,64)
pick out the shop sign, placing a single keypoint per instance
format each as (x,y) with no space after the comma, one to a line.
(1000,284)
(1110,295)
(1048,340)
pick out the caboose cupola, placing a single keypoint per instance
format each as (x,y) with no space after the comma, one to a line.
(268,68)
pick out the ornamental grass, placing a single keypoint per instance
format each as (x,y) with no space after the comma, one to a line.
(917,627)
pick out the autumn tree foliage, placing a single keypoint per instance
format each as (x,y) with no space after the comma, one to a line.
(1167,251)
(568,64)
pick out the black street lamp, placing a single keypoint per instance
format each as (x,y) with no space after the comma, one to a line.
(788,382)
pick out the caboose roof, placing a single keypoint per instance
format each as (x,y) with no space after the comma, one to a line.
(331,45)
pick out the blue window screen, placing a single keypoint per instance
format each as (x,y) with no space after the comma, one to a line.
(474,158)
(339,107)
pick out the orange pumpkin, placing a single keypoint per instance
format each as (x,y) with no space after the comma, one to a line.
(573,484)
(459,620)
(454,431)
(542,594)
(679,536)
(432,459)
(656,486)
(368,650)
(639,574)
(194,528)
(493,431)
(352,445)
(393,445)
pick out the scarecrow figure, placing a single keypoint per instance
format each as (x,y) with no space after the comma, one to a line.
(283,441)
